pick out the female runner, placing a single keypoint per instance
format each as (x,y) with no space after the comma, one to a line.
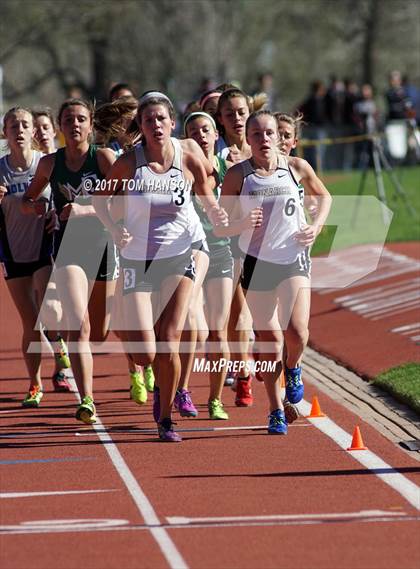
(276,271)
(155,242)
(85,257)
(26,248)
(201,127)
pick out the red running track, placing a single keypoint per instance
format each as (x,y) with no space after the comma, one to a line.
(373,324)
(327,510)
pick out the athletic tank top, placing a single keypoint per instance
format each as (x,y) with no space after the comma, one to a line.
(68,187)
(212,240)
(158,209)
(23,238)
(283,214)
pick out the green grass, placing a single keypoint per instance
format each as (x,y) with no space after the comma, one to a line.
(369,225)
(403,383)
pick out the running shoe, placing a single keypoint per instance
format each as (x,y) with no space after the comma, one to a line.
(184,404)
(244,396)
(230,378)
(33,399)
(156,404)
(60,382)
(86,411)
(291,412)
(167,433)
(61,353)
(138,391)
(277,424)
(216,411)
(294,384)
(149,378)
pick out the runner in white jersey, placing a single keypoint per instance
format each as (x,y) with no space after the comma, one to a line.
(155,242)
(26,246)
(116,128)
(275,239)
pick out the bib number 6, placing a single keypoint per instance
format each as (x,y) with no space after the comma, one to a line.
(290,207)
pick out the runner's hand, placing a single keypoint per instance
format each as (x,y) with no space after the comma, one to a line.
(253,219)
(121,236)
(218,216)
(3,192)
(307,235)
(75,210)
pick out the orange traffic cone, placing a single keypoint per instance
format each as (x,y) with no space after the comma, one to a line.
(315,409)
(357,441)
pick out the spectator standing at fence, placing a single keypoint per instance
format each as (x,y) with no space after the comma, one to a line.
(314,113)
(396,97)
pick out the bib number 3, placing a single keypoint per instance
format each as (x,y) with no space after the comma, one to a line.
(178,196)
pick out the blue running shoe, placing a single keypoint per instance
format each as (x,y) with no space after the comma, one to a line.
(277,424)
(294,384)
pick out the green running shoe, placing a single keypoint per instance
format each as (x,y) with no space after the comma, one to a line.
(61,354)
(138,391)
(33,399)
(86,411)
(149,378)
(216,410)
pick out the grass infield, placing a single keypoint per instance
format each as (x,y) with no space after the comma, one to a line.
(403,382)
(404,227)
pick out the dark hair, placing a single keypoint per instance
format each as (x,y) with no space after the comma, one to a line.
(158,100)
(255,115)
(119,87)
(231,94)
(72,103)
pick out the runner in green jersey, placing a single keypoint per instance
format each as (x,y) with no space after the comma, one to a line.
(85,278)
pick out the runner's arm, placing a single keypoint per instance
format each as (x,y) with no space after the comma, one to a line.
(229,200)
(39,182)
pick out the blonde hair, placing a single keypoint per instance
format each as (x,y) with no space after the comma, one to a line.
(15,110)
(296,121)
(7,116)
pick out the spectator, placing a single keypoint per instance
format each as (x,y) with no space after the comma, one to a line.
(396,97)
(334,101)
(314,114)
(351,96)
(365,110)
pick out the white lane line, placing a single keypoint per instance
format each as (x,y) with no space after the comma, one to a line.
(407,328)
(8,495)
(160,534)
(123,525)
(180,520)
(401,484)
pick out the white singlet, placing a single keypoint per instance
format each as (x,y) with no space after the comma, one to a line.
(158,210)
(283,214)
